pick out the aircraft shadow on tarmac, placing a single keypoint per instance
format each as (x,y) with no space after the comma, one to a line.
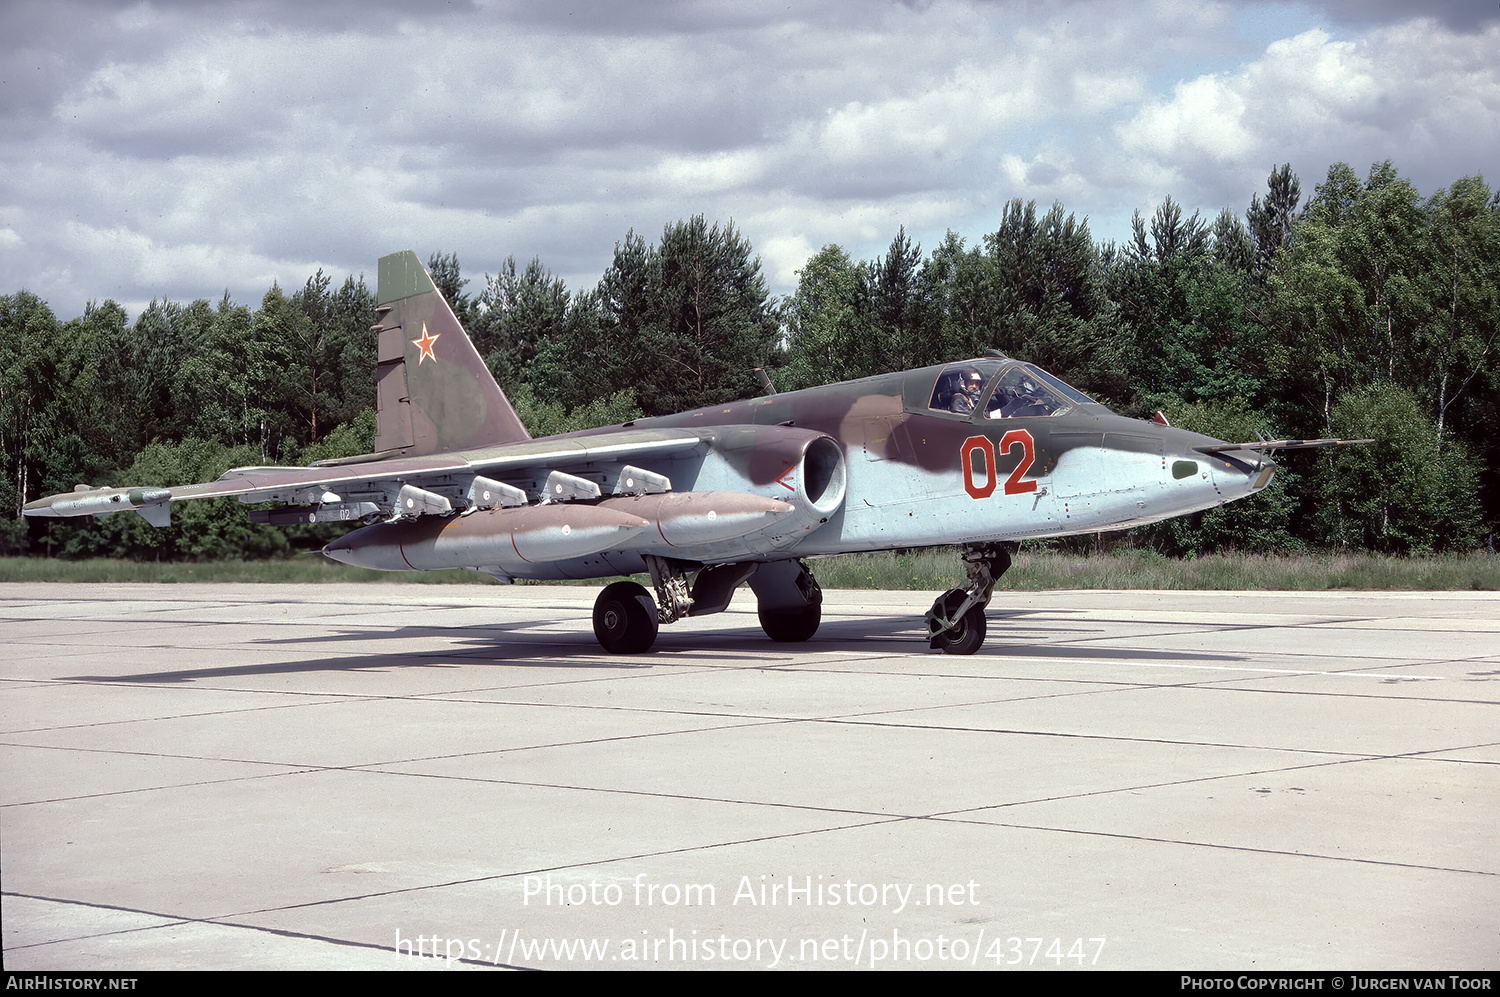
(899,636)
(499,645)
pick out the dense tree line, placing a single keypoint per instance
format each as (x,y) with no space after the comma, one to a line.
(1363,310)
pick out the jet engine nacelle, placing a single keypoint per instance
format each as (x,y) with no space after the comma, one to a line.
(801,467)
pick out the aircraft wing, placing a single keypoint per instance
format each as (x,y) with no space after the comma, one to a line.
(362,488)
(449,445)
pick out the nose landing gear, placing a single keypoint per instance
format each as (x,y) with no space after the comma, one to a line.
(955,623)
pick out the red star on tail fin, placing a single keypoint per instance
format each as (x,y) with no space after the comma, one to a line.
(425,345)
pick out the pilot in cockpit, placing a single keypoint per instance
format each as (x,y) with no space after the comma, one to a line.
(967,395)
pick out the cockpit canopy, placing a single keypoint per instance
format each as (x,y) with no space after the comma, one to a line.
(1001,389)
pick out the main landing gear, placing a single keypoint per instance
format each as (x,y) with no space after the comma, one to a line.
(955,623)
(789,601)
(627,618)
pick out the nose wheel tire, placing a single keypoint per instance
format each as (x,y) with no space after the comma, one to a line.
(625,619)
(967,634)
(966,637)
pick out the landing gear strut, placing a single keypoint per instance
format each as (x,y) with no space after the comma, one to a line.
(672,580)
(955,623)
(626,618)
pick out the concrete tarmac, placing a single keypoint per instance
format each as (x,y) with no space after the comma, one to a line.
(448,777)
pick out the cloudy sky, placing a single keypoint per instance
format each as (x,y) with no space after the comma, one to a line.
(181,148)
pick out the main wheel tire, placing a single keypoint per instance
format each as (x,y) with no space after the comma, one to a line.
(791,626)
(625,619)
(967,637)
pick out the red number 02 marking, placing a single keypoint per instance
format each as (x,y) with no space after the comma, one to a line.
(981,445)
(1013,484)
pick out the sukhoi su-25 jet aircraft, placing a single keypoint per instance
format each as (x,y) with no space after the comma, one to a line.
(981,454)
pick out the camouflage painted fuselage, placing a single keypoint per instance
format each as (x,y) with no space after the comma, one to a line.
(914,476)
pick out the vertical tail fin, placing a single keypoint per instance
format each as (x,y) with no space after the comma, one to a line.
(434,392)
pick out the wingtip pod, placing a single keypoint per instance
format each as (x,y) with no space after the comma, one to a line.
(434,393)
(152,503)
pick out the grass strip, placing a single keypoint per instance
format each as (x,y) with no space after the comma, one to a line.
(936,569)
